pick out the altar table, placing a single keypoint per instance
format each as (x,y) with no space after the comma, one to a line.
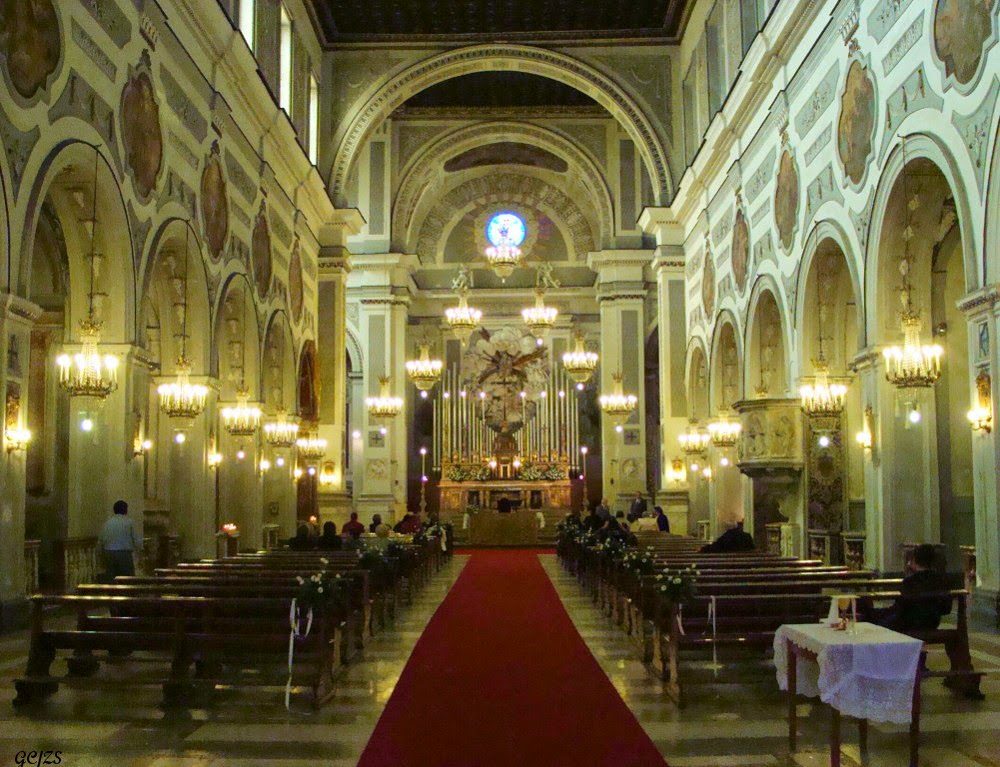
(871,673)
(491,528)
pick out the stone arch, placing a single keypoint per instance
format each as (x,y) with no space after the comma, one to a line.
(919,146)
(354,352)
(416,174)
(168,237)
(277,383)
(828,231)
(696,379)
(250,337)
(64,174)
(386,96)
(4,224)
(724,332)
(307,391)
(991,268)
(765,290)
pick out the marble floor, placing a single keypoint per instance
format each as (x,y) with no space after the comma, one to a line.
(734,714)
(126,727)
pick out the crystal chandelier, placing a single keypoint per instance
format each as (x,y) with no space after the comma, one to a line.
(539,318)
(88,373)
(180,398)
(723,432)
(384,406)
(243,419)
(424,372)
(914,364)
(462,319)
(311,448)
(579,363)
(503,255)
(822,398)
(281,432)
(694,440)
(618,406)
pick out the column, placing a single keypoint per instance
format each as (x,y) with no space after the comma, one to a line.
(982,310)
(672,492)
(380,284)
(334,267)
(16,319)
(621,294)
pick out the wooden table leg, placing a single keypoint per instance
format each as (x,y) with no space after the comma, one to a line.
(792,680)
(915,714)
(835,738)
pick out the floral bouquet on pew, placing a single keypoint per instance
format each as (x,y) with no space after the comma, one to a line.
(319,590)
(678,586)
(638,563)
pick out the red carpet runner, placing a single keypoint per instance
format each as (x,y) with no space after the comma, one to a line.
(501,678)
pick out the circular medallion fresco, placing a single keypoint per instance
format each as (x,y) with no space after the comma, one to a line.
(708,285)
(741,251)
(29,38)
(786,200)
(214,203)
(140,127)
(507,228)
(260,253)
(856,126)
(961,29)
(295,283)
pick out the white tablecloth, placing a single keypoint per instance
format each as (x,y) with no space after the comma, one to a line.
(868,674)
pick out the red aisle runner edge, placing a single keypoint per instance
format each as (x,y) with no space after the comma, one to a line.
(501,678)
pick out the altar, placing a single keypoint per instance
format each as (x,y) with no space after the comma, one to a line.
(491,528)
(524,495)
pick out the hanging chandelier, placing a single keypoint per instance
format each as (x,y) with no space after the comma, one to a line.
(242,419)
(311,448)
(504,255)
(384,406)
(822,398)
(462,319)
(694,440)
(424,372)
(618,406)
(579,363)
(723,432)
(539,318)
(281,432)
(180,398)
(914,364)
(88,373)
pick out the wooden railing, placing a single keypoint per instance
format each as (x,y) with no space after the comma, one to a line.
(78,561)
(31,566)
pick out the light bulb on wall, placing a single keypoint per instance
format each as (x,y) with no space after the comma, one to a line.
(87,425)
(914,416)
(824,441)
(180,438)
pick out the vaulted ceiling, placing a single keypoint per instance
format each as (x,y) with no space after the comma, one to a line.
(374,20)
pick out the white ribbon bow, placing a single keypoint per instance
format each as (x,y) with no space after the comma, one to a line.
(294,622)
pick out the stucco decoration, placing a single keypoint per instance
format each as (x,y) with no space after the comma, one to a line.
(856,126)
(295,283)
(30,42)
(708,284)
(786,199)
(260,252)
(961,29)
(740,250)
(140,127)
(214,203)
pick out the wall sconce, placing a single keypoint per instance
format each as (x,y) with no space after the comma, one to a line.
(265,465)
(17,438)
(981,416)
(297,473)
(865,438)
(214,459)
(706,473)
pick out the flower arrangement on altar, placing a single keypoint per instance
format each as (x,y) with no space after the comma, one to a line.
(229,530)
(678,586)
(533,472)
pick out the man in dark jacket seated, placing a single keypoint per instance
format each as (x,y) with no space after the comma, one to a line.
(914,610)
(734,539)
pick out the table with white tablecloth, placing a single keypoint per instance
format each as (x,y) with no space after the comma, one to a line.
(867,672)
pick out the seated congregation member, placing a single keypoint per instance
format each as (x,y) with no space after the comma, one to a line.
(733,540)
(592,522)
(376,521)
(118,539)
(352,527)
(303,540)
(603,510)
(329,540)
(914,610)
(662,522)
